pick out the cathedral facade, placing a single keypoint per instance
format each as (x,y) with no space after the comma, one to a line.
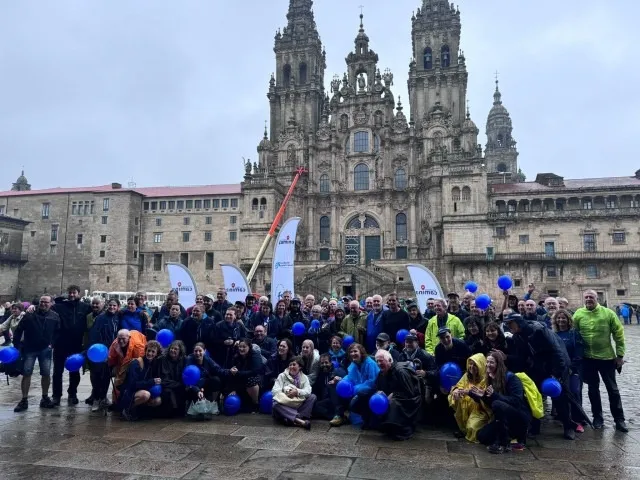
(384,187)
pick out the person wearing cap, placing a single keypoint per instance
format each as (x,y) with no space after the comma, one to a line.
(454,306)
(395,318)
(451,350)
(250,303)
(440,320)
(417,323)
(402,386)
(383,342)
(424,363)
(546,356)
(355,324)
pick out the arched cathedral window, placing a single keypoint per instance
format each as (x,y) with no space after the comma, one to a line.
(400,179)
(361,177)
(302,77)
(325,229)
(428,59)
(324,183)
(466,194)
(445,56)
(455,194)
(401,227)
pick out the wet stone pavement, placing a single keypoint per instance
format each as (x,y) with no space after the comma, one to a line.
(73,443)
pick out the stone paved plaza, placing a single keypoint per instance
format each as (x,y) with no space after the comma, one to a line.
(72,443)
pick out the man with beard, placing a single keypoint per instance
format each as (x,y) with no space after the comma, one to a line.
(208,301)
(395,318)
(198,328)
(454,306)
(267,344)
(294,315)
(401,385)
(325,392)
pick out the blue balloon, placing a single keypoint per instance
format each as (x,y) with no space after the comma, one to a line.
(551,388)
(9,355)
(483,301)
(155,391)
(315,324)
(401,335)
(450,374)
(98,353)
(298,329)
(379,404)
(347,340)
(74,362)
(191,375)
(505,282)
(266,403)
(165,337)
(345,389)
(471,286)
(232,405)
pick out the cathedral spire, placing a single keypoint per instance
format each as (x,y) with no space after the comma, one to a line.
(497,96)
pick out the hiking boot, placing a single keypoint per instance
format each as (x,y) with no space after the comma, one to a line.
(621,426)
(569,434)
(55,401)
(598,423)
(72,400)
(89,400)
(46,402)
(336,421)
(497,449)
(22,406)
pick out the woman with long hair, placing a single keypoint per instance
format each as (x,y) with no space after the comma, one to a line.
(246,373)
(170,368)
(470,415)
(504,395)
(212,377)
(142,375)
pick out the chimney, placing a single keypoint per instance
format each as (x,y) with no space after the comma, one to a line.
(116,186)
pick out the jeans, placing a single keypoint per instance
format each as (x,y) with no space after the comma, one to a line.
(44,362)
(100,377)
(592,370)
(59,357)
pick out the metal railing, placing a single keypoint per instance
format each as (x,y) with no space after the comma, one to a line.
(569,213)
(540,256)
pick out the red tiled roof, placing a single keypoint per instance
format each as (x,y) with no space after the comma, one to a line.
(188,191)
(575,184)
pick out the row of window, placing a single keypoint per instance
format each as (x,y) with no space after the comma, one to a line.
(190,204)
(445,57)
(233,220)
(186,236)
(361,179)
(589,241)
(573,203)
(402,253)
(463,194)
(360,141)
(591,271)
(184,260)
(369,222)
(83,207)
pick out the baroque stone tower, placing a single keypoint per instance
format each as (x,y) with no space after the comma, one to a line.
(501,155)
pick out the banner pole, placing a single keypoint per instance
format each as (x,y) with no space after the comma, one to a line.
(274,225)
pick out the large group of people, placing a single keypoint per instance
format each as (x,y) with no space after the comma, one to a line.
(378,346)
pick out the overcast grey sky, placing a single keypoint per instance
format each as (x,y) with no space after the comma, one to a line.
(169,92)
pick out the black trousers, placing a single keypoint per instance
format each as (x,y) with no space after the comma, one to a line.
(592,370)
(212,385)
(100,379)
(59,357)
(508,423)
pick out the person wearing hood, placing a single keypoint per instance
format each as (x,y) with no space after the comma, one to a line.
(311,358)
(170,367)
(134,317)
(417,323)
(292,398)
(226,335)
(295,315)
(504,396)
(546,356)
(104,331)
(362,374)
(354,324)
(402,386)
(374,323)
(164,310)
(173,322)
(197,328)
(470,415)
(442,319)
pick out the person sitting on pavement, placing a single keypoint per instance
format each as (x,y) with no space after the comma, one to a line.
(362,374)
(127,347)
(442,319)
(401,385)
(424,363)
(325,392)
(470,415)
(34,337)
(212,378)
(141,376)
(383,342)
(292,398)
(504,396)
(545,356)
(278,362)
(246,375)
(266,344)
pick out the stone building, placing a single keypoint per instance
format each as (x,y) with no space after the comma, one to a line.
(12,258)
(384,188)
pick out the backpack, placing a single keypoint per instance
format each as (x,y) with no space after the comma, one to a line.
(532,395)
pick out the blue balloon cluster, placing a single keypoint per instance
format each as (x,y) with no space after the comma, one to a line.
(471,286)
(74,362)
(505,282)
(379,403)
(266,403)
(165,337)
(232,405)
(298,329)
(98,353)
(9,355)
(450,374)
(191,376)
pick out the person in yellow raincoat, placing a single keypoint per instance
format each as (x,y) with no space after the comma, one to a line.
(470,415)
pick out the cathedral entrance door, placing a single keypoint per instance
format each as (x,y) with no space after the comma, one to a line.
(352,250)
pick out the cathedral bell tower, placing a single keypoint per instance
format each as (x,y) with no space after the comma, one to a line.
(501,155)
(296,91)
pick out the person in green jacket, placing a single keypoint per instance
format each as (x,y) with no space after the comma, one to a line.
(597,325)
(441,319)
